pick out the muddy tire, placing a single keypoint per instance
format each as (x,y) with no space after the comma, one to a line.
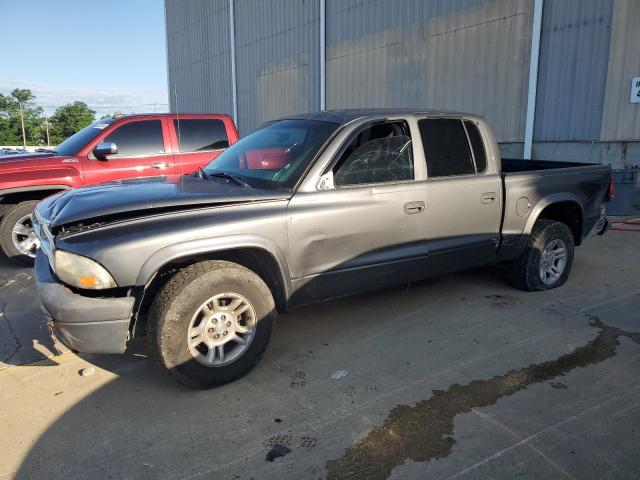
(16,234)
(211,322)
(547,259)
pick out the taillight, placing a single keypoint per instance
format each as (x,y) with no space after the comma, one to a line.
(610,191)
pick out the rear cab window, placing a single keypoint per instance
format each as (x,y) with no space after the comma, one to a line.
(200,134)
(477,146)
(446,147)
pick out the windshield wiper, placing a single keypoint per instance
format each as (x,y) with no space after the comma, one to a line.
(228,176)
(200,173)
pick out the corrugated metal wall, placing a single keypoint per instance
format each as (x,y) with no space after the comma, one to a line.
(414,53)
(277,59)
(621,119)
(198,59)
(574,51)
(470,55)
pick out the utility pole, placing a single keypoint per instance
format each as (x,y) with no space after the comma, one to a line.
(46,124)
(24,136)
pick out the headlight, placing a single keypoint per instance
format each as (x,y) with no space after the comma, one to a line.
(82,272)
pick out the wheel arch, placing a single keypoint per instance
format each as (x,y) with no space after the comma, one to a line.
(259,255)
(564,208)
(13,196)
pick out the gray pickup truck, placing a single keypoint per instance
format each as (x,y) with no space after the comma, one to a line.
(307,208)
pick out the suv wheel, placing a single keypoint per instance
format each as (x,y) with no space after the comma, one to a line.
(547,259)
(211,323)
(17,237)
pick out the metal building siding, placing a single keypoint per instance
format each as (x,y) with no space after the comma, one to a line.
(574,50)
(198,57)
(411,53)
(621,119)
(277,59)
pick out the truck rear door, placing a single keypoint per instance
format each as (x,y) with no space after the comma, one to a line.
(463,195)
(144,150)
(198,140)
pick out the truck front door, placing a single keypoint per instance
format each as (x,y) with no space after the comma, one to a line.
(143,151)
(365,228)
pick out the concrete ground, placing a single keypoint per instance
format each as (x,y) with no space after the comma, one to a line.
(456,377)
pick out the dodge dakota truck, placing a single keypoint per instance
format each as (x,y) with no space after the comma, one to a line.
(306,208)
(124,146)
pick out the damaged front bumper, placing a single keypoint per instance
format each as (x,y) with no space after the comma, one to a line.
(84,324)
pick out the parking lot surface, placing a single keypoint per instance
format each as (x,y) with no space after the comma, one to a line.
(454,377)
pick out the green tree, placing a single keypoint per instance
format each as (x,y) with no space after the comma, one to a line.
(21,121)
(69,119)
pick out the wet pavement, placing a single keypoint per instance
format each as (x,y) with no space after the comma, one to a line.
(455,377)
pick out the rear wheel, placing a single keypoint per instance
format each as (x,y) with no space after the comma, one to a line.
(547,259)
(211,323)
(17,236)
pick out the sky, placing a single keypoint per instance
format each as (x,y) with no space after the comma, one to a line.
(110,54)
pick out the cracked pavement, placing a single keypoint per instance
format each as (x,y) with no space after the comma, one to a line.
(455,377)
(23,337)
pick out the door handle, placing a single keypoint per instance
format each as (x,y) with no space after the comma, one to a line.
(162,165)
(488,197)
(411,208)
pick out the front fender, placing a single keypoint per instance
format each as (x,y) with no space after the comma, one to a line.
(204,246)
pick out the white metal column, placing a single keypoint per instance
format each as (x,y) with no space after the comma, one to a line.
(533,78)
(232,47)
(323,59)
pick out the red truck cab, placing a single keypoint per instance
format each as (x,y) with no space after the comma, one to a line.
(116,148)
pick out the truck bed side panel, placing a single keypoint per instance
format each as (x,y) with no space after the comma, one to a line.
(528,193)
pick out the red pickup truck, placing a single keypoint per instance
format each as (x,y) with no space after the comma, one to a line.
(124,146)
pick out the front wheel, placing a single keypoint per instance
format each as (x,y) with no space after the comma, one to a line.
(17,236)
(211,323)
(547,259)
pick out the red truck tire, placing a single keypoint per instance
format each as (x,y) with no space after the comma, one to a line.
(17,237)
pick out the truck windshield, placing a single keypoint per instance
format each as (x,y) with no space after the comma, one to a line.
(276,155)
(73,144)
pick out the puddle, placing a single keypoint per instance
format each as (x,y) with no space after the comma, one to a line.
(425,431)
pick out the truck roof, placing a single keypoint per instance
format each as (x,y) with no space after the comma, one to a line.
(165,114)
(343,116)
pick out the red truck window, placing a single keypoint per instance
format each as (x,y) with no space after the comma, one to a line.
(138,138)
(200,135)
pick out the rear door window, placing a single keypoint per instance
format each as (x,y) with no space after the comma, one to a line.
(477,145)
(381,153)
(201,135)
(446,147)
(138,138)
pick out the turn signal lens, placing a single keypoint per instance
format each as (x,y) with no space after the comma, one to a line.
(82,272)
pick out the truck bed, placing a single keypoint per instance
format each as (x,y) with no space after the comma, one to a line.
(530,185)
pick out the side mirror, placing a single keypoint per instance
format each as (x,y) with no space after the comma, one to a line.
(104,149)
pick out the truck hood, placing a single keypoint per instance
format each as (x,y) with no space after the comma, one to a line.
(140,197)
(24,157)
(29,170)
